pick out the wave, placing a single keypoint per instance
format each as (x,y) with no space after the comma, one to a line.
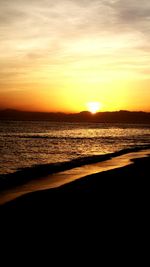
(37,171)
(73,137)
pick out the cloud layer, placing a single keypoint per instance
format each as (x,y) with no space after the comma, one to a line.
(41,41)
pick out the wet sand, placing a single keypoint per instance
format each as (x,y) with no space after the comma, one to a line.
(61,178)
(117,186)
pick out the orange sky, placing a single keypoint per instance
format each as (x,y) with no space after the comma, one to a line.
(60,55)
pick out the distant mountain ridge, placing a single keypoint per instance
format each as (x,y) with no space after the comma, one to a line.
(121,116)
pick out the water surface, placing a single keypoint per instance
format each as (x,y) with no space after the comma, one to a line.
(24,144)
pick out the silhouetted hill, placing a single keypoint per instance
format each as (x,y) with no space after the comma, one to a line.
(85,116)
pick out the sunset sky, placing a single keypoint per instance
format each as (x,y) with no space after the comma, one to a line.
(60,55)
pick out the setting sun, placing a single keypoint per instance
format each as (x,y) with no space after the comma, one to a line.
(63,59)
(94,107)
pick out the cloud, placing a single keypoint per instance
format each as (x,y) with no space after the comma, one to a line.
(133,10)
(62,18)
(46,34)
(134,14)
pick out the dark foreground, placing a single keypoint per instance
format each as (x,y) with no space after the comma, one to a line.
(118,188)
(106,214)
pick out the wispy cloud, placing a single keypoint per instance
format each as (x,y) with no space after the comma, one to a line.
(39,39)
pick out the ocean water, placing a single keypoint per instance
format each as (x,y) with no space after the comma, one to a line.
(27,143)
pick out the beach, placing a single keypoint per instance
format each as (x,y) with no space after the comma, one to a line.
(116,186)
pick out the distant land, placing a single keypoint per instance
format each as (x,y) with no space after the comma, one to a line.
(121,116)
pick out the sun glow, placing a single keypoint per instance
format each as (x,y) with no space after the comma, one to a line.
(94,107)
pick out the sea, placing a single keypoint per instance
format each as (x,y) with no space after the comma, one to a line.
(29,143)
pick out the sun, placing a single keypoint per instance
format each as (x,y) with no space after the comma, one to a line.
(94,107)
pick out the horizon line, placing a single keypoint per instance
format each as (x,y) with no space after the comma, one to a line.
(67,113)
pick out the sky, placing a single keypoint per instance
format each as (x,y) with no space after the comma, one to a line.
(60,55)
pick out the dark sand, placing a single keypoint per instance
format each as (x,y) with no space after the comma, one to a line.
(43,177)
(122,187)
(107,211)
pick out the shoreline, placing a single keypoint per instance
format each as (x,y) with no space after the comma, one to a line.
(65,178)
(38,171)
(125,184)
